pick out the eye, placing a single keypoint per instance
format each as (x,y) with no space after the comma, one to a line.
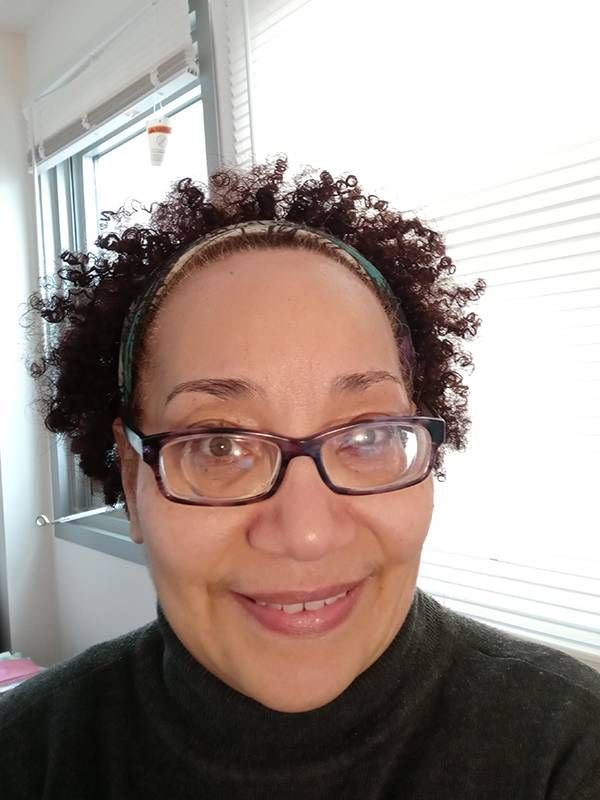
(369,454)
(219,447)
(369,436)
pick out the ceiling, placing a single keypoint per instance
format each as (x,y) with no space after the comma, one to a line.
(17,15)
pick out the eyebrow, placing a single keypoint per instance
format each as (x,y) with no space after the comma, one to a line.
(359,381)
(224,388)
(228,388)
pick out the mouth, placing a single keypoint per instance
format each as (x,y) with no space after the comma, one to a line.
(309,617)
(290,597)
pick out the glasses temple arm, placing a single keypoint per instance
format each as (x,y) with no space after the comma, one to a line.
(134,439)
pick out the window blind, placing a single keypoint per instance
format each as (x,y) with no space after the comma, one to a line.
(127,57)
(556,607)
(528,555)
(248,29)
(514,539)
(422,100)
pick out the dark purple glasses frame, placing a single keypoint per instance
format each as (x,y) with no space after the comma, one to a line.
(149,448)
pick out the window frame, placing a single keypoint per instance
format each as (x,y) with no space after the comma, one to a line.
(68,221)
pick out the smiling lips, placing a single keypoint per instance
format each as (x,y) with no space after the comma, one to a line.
(305,616)
(290,597)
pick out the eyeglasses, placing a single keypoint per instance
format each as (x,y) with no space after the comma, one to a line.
(212,466)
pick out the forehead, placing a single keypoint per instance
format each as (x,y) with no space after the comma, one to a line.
(287,319)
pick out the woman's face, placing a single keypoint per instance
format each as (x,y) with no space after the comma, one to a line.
(292,322)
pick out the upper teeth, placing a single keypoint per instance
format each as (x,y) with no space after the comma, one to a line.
(313,605)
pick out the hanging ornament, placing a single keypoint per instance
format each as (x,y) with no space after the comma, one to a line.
(158,131)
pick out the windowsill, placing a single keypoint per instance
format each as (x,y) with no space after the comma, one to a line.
(106,533)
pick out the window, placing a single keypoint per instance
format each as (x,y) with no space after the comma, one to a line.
(118,171)
(103,177)
(121,171)
(532,566)
(88,171)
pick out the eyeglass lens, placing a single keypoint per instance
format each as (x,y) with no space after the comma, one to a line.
(239,466)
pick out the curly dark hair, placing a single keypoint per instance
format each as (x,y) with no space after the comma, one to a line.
(77,370)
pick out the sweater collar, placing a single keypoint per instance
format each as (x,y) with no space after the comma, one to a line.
(228,725)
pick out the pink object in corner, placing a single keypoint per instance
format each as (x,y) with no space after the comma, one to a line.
(17,669)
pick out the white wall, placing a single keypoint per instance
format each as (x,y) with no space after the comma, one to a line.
(56,598)
(30,609)
(51,45)
(98,596)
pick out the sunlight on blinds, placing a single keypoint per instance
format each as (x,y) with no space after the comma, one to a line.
(534,452)
(423,100)
(453,112)
(426,113)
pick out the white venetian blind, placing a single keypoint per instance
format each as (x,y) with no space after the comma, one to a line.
(422,100)
(431,101)
(133,49)
(523,507)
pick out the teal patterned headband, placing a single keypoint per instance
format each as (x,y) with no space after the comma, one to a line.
(134,325)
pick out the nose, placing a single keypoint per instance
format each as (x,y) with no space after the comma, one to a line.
(304,519)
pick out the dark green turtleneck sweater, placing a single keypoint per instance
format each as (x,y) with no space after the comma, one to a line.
(452,710)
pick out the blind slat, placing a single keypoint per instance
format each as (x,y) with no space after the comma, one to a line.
(578,166)
(559,607)
(536,242)
(563,247)
(560,197)
(533,223)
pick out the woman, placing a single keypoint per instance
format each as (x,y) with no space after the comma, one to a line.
(267,379)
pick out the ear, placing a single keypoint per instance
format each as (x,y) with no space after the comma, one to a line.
(129,461)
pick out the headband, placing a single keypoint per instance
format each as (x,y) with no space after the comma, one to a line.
(134,324)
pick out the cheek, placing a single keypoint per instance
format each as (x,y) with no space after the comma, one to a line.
(185,544)
(400,520)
